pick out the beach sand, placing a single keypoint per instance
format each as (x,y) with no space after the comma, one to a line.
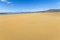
(34,26)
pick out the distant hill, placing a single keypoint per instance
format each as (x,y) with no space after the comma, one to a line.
(54,10)
(50,10)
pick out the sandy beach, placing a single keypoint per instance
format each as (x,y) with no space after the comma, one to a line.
(34,26)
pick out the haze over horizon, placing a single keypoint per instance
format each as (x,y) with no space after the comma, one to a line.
(28,5)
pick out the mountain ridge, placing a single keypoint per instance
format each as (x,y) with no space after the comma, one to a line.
(49,10)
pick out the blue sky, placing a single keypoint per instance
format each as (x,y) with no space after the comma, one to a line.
(28,5)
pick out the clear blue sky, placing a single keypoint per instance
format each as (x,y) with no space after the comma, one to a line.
(28,5)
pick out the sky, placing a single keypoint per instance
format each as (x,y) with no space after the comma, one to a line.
(28,5)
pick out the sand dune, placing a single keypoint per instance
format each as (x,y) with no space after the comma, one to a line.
(36,26)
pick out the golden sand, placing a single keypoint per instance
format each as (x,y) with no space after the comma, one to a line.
(36,26)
